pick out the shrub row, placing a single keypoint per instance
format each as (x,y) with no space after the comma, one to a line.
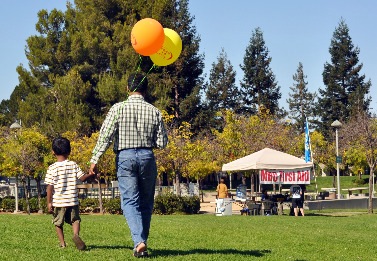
(165,204)
(8,204)
(88,205)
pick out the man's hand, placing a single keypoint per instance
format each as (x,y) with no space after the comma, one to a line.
(93,173)
(92,169)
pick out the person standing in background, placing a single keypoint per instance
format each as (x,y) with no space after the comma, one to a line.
(297,202)
(222,189)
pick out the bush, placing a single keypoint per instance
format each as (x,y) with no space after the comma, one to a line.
(191,204)
(89,205)
(33,203)
(165,204)
(8,204)
(168,204)
(359,181)
(112,206)
(44,205)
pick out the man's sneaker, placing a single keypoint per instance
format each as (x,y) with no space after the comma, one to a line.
(79,243)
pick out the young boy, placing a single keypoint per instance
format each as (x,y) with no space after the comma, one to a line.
(62,196)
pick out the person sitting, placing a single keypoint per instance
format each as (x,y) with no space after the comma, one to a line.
(264,195)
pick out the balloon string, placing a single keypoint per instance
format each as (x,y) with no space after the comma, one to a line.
(137,69)
(152,67)
(138,66)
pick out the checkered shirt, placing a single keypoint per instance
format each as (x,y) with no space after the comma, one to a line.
(133,123)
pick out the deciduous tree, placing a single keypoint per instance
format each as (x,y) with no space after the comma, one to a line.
(361,133)
(23,155)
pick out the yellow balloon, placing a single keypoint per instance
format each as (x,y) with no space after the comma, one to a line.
(170,50)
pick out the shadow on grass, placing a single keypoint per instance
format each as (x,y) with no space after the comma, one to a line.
(328,215)
(166,252)
(170,252)
(89,247)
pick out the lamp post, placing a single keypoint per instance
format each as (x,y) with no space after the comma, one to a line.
(373,192)
(336,124)
(16,126)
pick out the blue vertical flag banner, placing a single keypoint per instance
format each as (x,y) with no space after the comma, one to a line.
(307,142)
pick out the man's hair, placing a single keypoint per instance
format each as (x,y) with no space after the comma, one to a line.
(61,146)
(137,82)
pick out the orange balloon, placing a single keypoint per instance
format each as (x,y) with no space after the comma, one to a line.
(147,36)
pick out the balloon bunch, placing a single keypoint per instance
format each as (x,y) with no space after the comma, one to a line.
(162,45)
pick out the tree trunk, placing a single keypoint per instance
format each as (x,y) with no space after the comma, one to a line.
(200,182)
(177,185)
(28,187)
(370,205)
(252,184)
(38,180)
(100,196)
(26,194)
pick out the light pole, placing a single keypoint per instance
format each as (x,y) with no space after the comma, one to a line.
(336,124)
(16,126)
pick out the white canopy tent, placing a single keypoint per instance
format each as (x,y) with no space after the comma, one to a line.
(267,159)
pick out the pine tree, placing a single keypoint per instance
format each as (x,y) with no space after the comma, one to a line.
(178,85)
(221,91)
(258,87)
(301,102)
(346,92)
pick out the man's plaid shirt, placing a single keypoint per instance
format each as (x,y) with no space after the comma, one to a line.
(133,123)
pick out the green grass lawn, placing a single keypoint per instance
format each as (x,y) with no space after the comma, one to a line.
(198,237)
(345,182)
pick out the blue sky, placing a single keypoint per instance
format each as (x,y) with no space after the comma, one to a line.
(294,31)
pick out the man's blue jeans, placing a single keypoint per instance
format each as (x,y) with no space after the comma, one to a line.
(137,173)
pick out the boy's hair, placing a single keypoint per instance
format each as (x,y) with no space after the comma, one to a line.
(137,82)
(61,146)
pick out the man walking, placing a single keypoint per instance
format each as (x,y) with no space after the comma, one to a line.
(136,127)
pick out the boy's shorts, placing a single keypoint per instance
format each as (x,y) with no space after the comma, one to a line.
(66,215)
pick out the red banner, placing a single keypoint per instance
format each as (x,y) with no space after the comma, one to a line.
(297,176)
